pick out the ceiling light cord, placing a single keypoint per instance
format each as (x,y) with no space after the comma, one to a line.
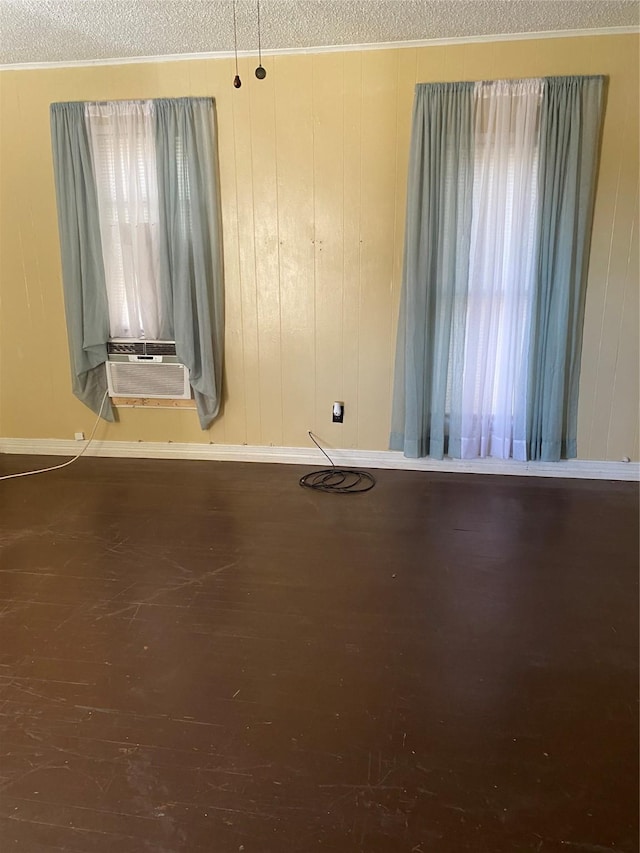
(237,82)
(260,71)
(259,38)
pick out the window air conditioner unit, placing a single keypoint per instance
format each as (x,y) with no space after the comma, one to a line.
(141,368)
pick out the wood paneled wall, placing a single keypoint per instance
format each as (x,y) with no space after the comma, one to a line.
(313,165)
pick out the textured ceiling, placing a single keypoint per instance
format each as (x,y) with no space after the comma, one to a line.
(33,31)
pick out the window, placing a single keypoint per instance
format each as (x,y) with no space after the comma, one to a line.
(124,162)
(498,220)
(140,236)
(501,268)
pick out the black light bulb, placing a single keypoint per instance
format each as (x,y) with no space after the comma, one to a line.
(260,72)
(237,82)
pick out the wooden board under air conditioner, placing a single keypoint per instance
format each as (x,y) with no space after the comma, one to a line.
(151,403)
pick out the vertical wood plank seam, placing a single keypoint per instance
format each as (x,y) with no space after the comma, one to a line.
(344,241)
(255,266)
(622,136)
(239,283)
(315,244)
(394,320)
(359,252)
(275,140)
(620,324)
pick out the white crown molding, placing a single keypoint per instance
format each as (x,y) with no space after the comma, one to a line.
(340,48)
(581,469)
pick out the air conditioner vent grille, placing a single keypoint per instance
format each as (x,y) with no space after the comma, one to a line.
(160,348)
(136,347)
(147,379)
(125,347)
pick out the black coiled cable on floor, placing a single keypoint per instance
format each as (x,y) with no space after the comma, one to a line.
(341,481)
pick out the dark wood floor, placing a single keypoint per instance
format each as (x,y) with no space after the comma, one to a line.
(206,657)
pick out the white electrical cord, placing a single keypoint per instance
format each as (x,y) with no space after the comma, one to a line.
(69,461)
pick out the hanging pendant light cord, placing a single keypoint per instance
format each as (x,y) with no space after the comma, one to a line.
(259,39)
(235,35)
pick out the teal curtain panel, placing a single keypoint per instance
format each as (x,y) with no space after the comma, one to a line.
(85,295)
(436,257)
(191,278)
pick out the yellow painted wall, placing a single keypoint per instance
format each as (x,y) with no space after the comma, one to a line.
(313,169)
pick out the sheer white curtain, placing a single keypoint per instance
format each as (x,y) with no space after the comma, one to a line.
(123,151)
(501,269)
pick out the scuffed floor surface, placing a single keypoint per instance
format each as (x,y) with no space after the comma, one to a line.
(203,657)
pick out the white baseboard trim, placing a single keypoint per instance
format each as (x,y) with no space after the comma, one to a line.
(573,469)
